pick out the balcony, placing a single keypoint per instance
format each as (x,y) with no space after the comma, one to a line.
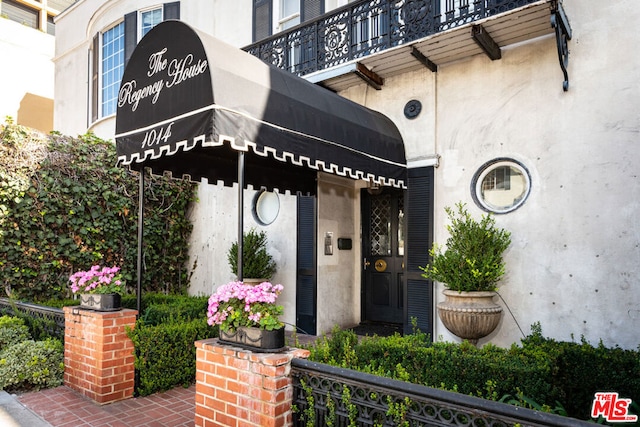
(375,39)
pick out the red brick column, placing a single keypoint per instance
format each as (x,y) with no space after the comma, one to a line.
(240,388)
(98,355)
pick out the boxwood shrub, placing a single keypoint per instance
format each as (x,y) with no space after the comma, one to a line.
(164,336)
(541,373)
(26,364)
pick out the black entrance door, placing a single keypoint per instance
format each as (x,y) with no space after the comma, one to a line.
(383,246)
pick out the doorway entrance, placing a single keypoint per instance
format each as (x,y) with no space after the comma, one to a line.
(383,247)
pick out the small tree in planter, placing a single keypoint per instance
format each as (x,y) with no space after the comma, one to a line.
(470,269)
(257,263)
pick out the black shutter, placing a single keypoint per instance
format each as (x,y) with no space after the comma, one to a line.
(94,62)
(130,35)
(306,277)
(310,9)
(419,295)
(171,10)
(262,19)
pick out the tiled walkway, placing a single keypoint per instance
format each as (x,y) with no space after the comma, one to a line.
(63,407)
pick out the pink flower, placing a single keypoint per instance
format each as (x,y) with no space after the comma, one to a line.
(97,280)
(237,304)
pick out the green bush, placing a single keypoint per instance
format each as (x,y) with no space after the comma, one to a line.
(582,369)
(544,374)
(65,205)
(257,263)
(179,308)
(166,354)
(32,365)
(12,331)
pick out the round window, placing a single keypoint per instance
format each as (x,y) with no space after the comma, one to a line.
(266,206)
(501,186)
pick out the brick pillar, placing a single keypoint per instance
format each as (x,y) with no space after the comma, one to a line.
(98,355)
(240,388)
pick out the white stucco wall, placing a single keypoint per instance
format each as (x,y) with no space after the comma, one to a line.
(215,220)
(339,273)
(573,263)
(576,236)
(26,70)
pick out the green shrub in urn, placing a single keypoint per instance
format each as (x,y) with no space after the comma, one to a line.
(256,261)
(473,258)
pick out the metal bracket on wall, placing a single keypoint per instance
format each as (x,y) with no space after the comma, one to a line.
(370,77)
(560,23)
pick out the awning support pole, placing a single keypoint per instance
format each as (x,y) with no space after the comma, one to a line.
(140,234)
(240,214)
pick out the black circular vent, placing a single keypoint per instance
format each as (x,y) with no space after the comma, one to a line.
(412,109)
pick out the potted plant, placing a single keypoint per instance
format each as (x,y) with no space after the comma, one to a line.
(247,315)
(100,288)
(257,264)
(469,268)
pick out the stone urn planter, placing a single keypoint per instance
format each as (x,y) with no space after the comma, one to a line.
(470,315)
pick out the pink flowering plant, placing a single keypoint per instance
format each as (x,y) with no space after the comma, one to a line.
(98,280)
(238,304)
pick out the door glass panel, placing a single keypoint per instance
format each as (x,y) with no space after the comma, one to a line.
(400,251)
(381,225)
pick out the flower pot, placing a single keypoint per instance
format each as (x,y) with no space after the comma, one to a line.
(101,302)
(469,315)
(253,282)
(255,339)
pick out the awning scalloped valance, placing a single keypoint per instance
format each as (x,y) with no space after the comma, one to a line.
(188,103)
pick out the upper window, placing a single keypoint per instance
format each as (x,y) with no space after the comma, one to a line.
(29,13)
(289,13)
(20,13)
(149,19)
(112,67)
(116,46)
(282,15)
(501,186)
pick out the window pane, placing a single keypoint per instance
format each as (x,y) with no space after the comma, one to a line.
(289,14)
(400,251)
(290,7)
(112,67)
(501,186)
(19,13)
(51,28)
(381,225)
(150,19)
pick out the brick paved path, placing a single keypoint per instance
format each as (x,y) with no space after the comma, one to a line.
(63,407)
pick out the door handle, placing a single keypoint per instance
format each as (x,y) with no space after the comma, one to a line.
(380,265)
(365,264)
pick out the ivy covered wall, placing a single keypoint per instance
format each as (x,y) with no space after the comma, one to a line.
(65,205)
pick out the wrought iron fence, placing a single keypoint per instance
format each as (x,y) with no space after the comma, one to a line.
(366,27)
(51,319)
(326,395)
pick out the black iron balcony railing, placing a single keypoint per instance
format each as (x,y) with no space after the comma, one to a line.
(367,27)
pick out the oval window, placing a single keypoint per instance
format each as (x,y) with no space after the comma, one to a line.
(501,186)
(266,206)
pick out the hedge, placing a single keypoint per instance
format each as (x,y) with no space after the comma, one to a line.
(541,373)
(164,339)
(26,364)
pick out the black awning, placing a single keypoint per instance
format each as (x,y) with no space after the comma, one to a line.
(188,103)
